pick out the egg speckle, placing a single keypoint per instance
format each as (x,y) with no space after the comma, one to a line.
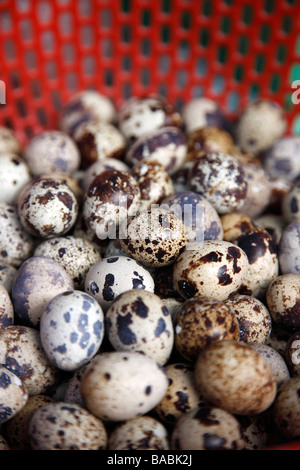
(286,409)
(14,174)
(6,308)
(13,394)
(282,298)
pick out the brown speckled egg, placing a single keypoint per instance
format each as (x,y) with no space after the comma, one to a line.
(13,394)
(278,338)
(181,396)
(51,151)
(112,197)
(64,426)
(235,224)
(111,276)
(255,431)
(7,276)
(37,281)
(213,268)
(16,244)
(16,428)
(202,112)
(138,116)
(221,179)
(14,174)
(8,141)
(260,125)
(154,237)
(258,194)
(199,322)
(273,223)
(137,379)
(181,176)
(137,320)
(276,362)
(283,300)
(72,386)
(292,354)
(291,204)
(208,139)
(254,319)
(235,377)
(21,352)
(76,255)
(208,428)
(282,160)
(47,207)
(286,409)
(261,252)
(141,433)
(99,166)
(6,308)
(289,249)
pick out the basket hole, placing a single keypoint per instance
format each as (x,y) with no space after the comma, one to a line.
(21,108)
(254,91)
(125,6)
(106,48)
(126,34)
(35,89)
(55,97)
(87,36)
(184,50)
(260,63)
(145,47)
(30,59)
(247,14)
(9,50)
(15,80)
(222,54)
(146,18)
(243,45)
(201,66)
(166,6)
(126,91)
(239,73)
(275,83)
(26,29)
(185,20)
(233,102)
(23,5)
(42,117)
(71,81)
(165,34)
(126,64)
(85,7)
(44,11)
(225,26)
(197,91)
(295,72)
(204,38)
(162,90)
(51,70)
(164,64)
(207,8)
(298,46)
(88,64)
(68,53)
(218,84)
(182,78)
(109,78)
(286,25)
(105,18)
(65,23)
(265,33)
(48,42)
(5,21)
(281,53)
(145,77)
(269,6)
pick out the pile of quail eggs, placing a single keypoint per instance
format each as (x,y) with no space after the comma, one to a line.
(150,279)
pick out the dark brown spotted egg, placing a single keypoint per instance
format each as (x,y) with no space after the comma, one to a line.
(47,207)
(277,363)
(255,431)
(200,321)
(202,112)
(235,224)
(6,308)
(9,142)
(13,394)
(113,275)
(282,159)
(258,194)
(213,268)
(99,166)
(291,204)
(221,179)
(111,198)
(208,139)
(155,237)
(273,223)
(137,320)
(283,300)
(292,354)
(286,409)
(289,249)
(14,174)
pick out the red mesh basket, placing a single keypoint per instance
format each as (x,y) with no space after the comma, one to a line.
(230,50)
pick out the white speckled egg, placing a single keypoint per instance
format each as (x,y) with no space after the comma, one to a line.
(208,139)
(286,409)
(291,204)
(71,329)
(291,354)
(111,276)
(235,224)
(14,174)
(255,431)
(273,223)
(139,380)
(8,141)
(141,433)
(37,281)
(282,160)
(139,321)
(7,276)
(289,249)
(99,166)
(6,308)
(13,394)
(258,194)
(283,299)
(213,268)
(65,426)
(202,112)
(277,364)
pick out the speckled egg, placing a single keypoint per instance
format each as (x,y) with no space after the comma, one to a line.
(167,145)
(64,426)
(261,252)
(289,249)
(208,139)
(255,431)
(235,377)
(139,380)
(278,338)
(208,428)
(22,353)
(139,321)
(51,151)
(260,125)
(199,322)
(182,395)
(112,197)
(258,194)
(155,237)
(13,394)
(255,322)
(200,218)
(14,174)
(4,445)
(291,204)
(85,106)
(141,433)
(9,143)
(99,166)
(47,207)
(276,362)
(180,177)
(235,224)
(283,300)
(273,223)
(280,188)
(138,116)
(37,281)
(202,112)
(72,386)
(76,255)
(6,308)
(282,160)
(221,179)
(16,244)
(292,354)
(286,409)
(111,276)
(7,276)
(71,329)
(213,268)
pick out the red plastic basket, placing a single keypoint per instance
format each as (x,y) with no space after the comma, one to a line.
(230,50)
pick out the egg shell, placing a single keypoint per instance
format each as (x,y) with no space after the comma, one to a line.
(21,352)
(47,207)
(220,178)
(37,281)
(4,444)
(71,329)
(286,409)
(273,223)
(138,379)
(180,177)
(291,204)
(141,433)
(208,428)
(208,139)
(13,394)
(14,174)
(282,298)
(201,321)
(255,321)
(182,395)
(16,244)
(72,390)
(64,426)
(111,276)
(7,276)
(213,268)
(202,112)
(255,431)
(6,308)
(289,249)
(155,237)
(137,320)
(235,224)
(278,338)
(73,181)
(282,160)
(235,377)
(276,362)
(76,255)
(9,142)
(259,190)
(291,354)
(99,166)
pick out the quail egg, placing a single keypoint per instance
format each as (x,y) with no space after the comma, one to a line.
(13,394)
(282,298)
(9,142)
(208,139)
(14,175)
(289,249)
(6,308)
(202,112)
(286,409)
(277,364)
(282,159)
(99,166)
